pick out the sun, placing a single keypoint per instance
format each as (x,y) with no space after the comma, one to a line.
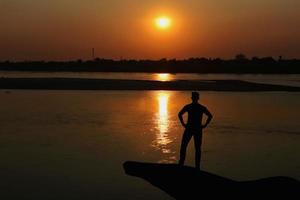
(163,22)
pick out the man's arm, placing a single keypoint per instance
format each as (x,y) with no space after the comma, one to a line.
(180,114)
(209,117)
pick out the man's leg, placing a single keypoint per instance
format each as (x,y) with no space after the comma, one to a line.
(198,142)
(184,143)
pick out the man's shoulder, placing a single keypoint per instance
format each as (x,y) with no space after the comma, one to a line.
(195,106)
(188,105)
(202,107)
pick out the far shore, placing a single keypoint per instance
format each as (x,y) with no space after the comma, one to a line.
(238,65)
(113,84)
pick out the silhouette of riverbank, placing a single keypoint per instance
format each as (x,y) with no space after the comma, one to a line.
(238,65)
(112,84)
(183,182)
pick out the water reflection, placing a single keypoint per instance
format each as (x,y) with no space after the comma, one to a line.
(162,122)
(163,99)
(163,77)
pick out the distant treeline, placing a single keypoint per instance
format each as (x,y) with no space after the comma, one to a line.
(239,65)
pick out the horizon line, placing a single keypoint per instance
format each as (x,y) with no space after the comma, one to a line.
(277,58)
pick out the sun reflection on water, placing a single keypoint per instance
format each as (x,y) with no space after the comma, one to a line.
(162,120)
(163,77)
(163,100)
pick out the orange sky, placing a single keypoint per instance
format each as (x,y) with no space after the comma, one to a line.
(69,29)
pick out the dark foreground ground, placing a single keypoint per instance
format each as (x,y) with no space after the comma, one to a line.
(112,84)
(189,183)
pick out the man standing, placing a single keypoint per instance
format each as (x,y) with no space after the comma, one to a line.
(193,127)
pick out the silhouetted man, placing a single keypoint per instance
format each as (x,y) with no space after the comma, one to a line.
(193,127)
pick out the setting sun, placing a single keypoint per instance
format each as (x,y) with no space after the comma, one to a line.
(163,22)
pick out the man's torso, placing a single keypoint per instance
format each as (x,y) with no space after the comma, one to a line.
(195,115)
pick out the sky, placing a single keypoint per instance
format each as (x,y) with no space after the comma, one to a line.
(125,29)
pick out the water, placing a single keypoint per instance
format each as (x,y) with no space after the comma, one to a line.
(292,80)
(78,140)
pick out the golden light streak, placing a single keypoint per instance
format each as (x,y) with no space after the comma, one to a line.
(163,77)
(162,139)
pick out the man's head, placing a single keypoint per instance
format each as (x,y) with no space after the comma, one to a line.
(195,97)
